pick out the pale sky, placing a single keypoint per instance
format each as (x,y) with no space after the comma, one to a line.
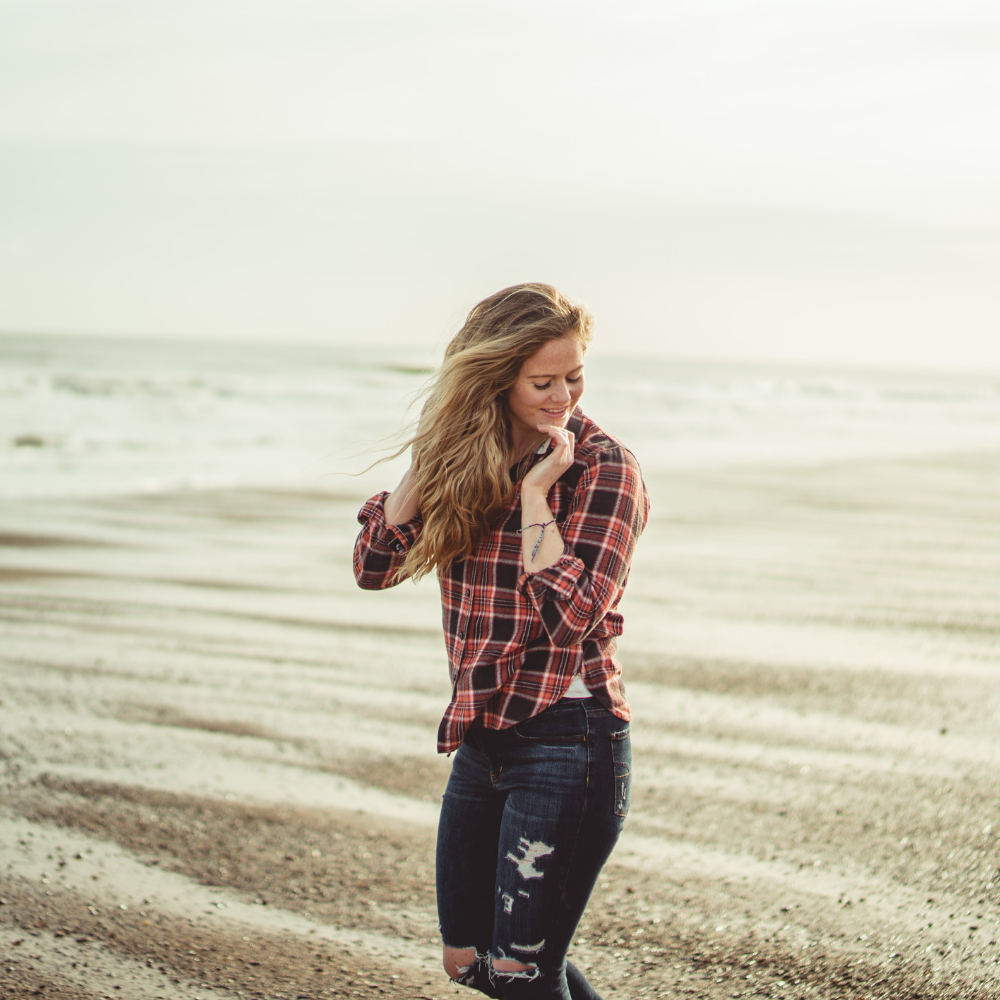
(801,181)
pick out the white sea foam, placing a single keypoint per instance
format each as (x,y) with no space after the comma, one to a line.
(92,416)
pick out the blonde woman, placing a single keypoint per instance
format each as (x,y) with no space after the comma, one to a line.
(529,514)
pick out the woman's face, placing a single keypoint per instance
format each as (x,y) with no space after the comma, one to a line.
(547,388)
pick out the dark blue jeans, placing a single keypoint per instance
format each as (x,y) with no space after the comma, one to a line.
(530,815)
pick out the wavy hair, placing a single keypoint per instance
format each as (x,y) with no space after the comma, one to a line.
(462,449)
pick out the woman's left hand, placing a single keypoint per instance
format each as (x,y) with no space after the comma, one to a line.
(540,478)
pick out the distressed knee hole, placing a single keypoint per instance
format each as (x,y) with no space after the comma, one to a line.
(506,965)
(458,961)
(508,970)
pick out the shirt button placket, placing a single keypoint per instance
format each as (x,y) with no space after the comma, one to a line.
(466,611)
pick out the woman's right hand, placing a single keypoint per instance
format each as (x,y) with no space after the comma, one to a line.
(402,504)
(541,477)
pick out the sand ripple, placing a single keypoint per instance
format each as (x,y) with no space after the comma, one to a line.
(219,767)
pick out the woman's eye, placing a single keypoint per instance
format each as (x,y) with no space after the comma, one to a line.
(569,381)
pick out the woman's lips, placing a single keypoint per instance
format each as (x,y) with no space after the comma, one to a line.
(555,414)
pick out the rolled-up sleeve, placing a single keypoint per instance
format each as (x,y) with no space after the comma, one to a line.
(381,548)
(606,516)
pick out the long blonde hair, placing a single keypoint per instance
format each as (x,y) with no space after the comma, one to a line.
(462,449)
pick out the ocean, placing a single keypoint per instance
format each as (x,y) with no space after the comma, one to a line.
(92,416)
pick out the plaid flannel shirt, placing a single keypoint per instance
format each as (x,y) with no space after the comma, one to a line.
(515,640)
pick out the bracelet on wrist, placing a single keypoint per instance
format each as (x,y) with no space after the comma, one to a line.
(541,534)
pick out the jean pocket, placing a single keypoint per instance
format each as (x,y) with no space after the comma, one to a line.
(551,738)
(621,753)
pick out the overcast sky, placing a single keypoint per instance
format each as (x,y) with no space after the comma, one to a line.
(812,180)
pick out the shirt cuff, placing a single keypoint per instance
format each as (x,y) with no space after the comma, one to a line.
(397,537)
(556,582)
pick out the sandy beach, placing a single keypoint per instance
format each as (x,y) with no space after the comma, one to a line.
(243,247)
(219,776)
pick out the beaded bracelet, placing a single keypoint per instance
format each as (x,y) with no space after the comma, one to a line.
(541,534)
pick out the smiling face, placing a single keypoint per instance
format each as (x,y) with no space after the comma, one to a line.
(547,389)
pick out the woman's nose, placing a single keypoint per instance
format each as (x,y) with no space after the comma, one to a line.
(560,393)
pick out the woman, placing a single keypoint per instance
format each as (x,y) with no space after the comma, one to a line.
(529,513)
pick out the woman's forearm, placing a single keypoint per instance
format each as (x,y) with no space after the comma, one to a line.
(402,504)
(535,510)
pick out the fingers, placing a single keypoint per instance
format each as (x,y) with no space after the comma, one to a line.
(559,459)
(562,455)
(563,443)
(553,429)
(545,473)
(558,434)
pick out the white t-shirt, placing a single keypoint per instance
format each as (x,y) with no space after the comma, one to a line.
(577,689)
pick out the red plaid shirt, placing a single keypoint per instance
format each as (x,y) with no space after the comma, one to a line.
(515,640)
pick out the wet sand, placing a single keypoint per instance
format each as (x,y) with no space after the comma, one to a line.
(219,776)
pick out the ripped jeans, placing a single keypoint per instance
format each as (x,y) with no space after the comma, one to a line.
(530,815)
